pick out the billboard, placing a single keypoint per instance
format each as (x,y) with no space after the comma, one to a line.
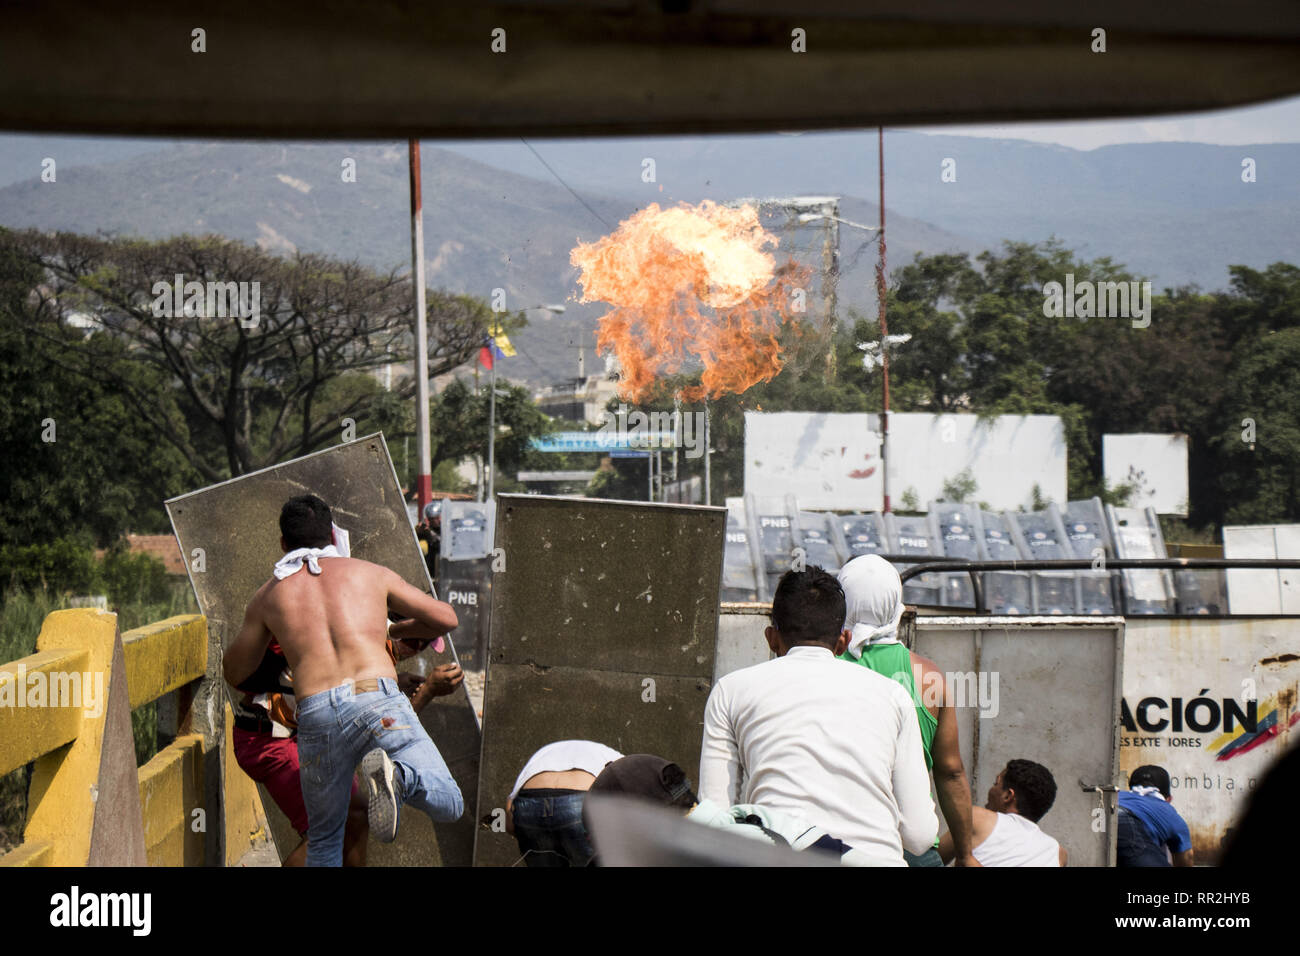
(831,461)
(1264,591)
(1157,464)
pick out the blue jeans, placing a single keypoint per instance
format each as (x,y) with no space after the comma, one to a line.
(336,728)
(1134,844)
(549,828)
(930,857)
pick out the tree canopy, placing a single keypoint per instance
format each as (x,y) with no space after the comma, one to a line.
(1211,365)
(245,391)
(112,399)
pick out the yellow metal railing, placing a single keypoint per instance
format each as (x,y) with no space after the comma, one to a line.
(67,709)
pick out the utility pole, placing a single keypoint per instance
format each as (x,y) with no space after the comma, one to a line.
(708,471)
(884,330)
(492,418)
(424,478)
(677,437)
(830,278)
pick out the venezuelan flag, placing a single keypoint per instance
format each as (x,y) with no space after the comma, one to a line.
(490,352)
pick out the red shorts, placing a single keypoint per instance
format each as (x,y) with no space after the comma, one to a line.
(273,762)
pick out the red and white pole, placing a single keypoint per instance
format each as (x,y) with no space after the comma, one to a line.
(884,333)
(424,451)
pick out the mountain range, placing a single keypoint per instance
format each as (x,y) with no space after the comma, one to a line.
(505,214)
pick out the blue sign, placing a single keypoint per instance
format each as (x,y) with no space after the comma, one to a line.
(633,443)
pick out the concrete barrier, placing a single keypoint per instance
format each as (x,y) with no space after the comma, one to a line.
(1045,689)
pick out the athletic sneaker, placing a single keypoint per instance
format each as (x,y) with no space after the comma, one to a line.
(377,770)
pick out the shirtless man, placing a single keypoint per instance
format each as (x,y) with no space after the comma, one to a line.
(329,615)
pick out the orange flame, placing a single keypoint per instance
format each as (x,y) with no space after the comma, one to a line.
(687,284)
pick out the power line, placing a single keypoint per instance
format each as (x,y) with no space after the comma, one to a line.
(519,349)
(564,184)
(858,253)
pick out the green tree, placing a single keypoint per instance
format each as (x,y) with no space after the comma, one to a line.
(76,460)
(242,395)
(620,481)
(1258,441)
(458,419)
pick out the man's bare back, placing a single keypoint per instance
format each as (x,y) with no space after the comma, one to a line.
(331,626)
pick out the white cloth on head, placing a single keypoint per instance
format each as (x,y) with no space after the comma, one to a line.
(293,562)
(873,595)
(1148,791)
(342,541)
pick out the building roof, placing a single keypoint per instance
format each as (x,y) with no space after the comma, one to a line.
(161,546)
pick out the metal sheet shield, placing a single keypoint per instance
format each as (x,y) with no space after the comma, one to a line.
(604,625)
(229,534)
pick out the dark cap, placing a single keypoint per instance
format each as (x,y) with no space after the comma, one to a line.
(1149,775)
(647,777)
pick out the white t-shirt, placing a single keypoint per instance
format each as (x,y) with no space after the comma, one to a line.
(1017,841)
(566,755)
(825,740)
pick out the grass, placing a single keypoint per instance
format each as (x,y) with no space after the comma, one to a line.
(22,613)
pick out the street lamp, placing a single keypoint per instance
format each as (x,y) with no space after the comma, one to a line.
(492,404)
(808,217)
(832,268)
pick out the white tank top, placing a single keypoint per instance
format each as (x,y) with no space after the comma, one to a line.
(1017,841)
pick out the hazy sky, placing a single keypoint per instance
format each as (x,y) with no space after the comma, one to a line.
(1276,122)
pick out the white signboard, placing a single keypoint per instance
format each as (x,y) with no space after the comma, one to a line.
(1214,703)
(1156,463)
(1266,591)
(831,461)
(827,461)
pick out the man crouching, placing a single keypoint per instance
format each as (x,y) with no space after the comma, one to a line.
(332,626)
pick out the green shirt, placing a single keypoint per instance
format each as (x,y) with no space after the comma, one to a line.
(895,662)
